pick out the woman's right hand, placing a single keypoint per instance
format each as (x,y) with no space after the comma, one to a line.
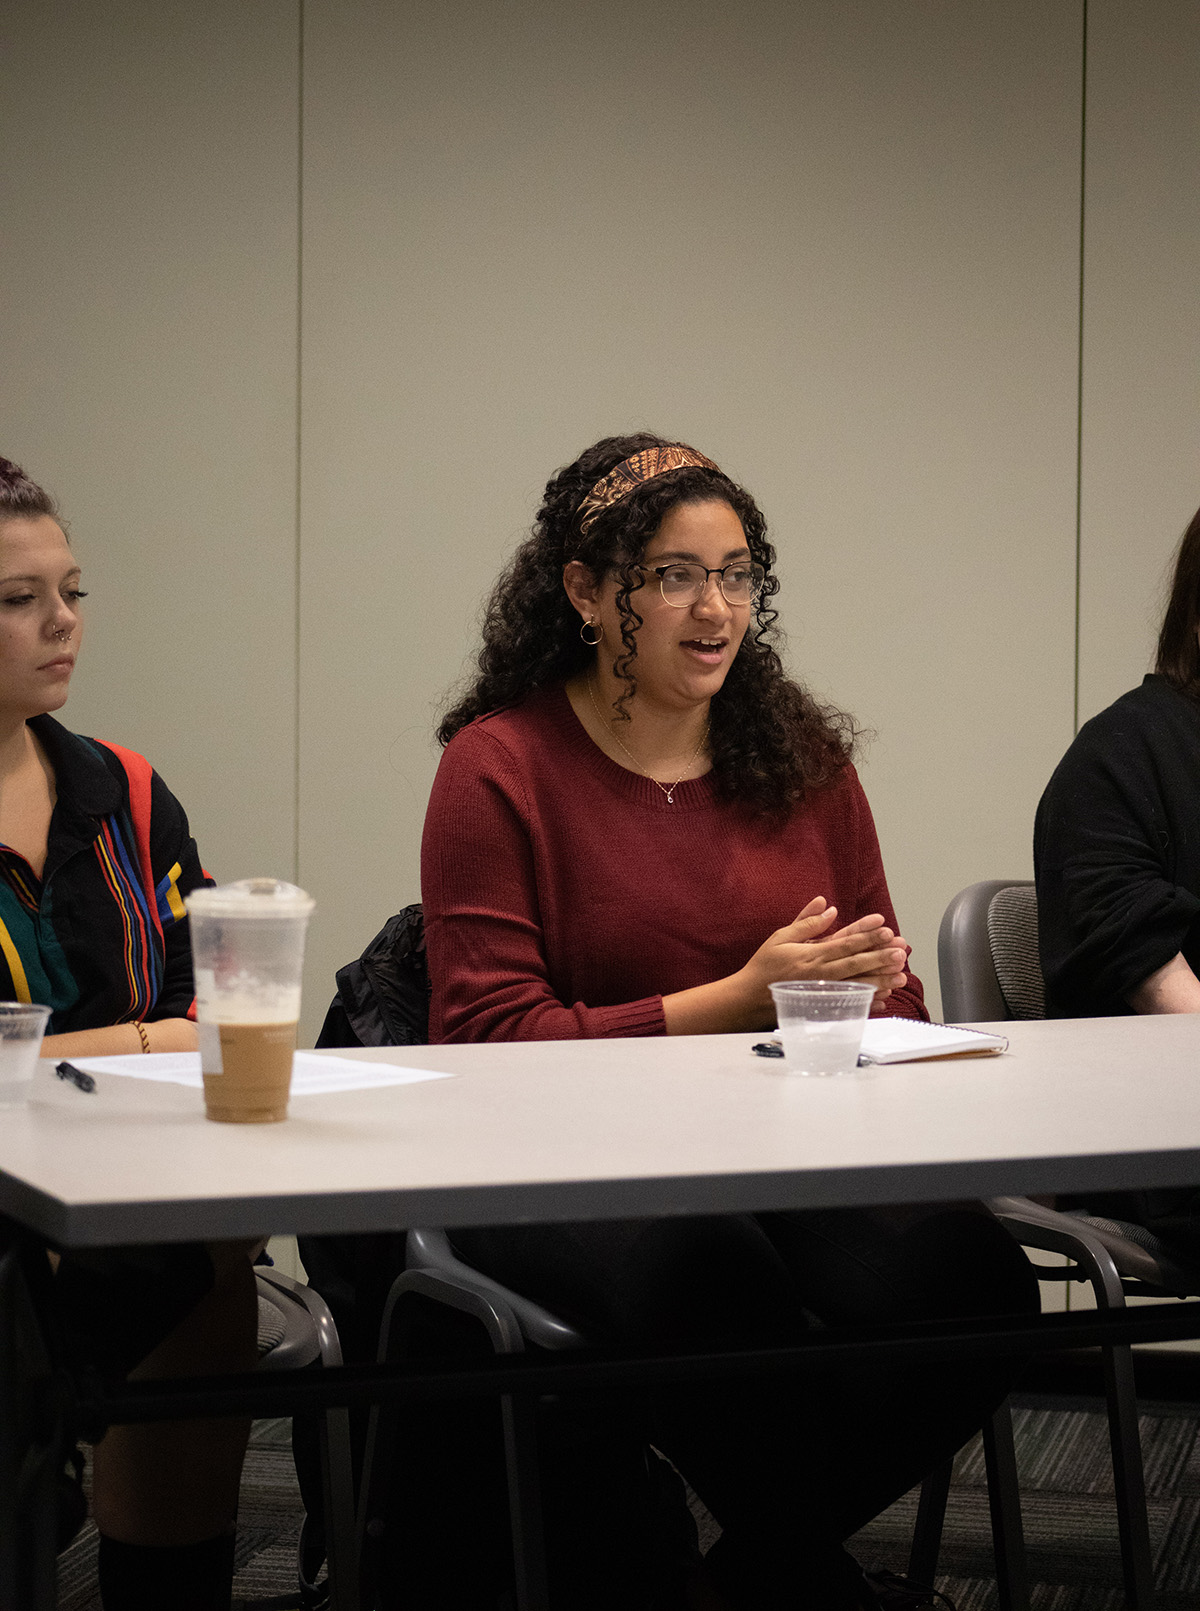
(808,948)
(866,951)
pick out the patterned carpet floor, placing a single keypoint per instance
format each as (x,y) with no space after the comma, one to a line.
(1067,1504)
(1068,1511)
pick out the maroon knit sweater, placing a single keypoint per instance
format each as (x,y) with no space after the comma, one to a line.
(564,897)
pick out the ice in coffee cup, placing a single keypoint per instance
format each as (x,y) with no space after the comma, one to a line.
(247,953)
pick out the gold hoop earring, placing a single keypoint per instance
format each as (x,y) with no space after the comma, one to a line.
(599,630)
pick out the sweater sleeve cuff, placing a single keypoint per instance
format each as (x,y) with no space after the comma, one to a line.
(645,1017)
(906,1004)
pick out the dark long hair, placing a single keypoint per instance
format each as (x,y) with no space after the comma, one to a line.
(1178,657)
(21,498)
(771,741)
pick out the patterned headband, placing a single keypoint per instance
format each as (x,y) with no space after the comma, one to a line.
(632,472)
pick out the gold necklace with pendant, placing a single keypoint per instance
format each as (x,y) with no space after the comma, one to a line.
(667,789)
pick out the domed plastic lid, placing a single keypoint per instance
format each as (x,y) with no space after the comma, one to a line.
(251,897)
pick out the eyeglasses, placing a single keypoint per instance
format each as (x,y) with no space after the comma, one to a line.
(683,583)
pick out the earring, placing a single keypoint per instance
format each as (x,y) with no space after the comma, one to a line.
(596,627)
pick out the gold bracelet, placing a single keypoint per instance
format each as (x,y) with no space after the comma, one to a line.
(142,1035)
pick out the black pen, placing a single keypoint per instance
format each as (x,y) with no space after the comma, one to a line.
(68,1071)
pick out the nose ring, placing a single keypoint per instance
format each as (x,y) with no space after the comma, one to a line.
(62,636)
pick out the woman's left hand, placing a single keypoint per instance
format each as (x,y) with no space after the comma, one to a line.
(887,979)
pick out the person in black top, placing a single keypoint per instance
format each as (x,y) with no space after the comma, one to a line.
(1116,842)
(95,858)
(1117,854)
(1117,862)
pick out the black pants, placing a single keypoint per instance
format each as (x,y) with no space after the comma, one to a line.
(789,1468)
(115,1305)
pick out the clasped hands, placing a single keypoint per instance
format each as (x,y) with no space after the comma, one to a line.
(866,951)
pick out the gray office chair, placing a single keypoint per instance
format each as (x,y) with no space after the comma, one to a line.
(296,1330)
(988,963)
(435,1272)
(989,971)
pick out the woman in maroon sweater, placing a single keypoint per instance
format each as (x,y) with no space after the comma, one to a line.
(638,824)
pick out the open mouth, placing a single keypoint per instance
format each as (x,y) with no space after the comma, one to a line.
(710,650)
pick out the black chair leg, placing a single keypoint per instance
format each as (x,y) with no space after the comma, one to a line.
(931,1517)
(337,1483)
(1129,1478)
(1004,1501)
(525,1501)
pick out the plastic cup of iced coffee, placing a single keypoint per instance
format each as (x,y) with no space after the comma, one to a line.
(248,953)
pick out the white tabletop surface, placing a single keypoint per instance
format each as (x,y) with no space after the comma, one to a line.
(612,1128)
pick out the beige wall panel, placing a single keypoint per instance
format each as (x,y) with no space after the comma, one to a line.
(148,286)
(833,245)
(1141,350)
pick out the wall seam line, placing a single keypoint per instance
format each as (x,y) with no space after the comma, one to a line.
(299,488)
(1079,372)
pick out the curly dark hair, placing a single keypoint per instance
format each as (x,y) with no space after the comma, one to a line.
(20,497)
(771,741)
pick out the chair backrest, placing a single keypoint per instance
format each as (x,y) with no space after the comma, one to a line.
(1012,923)
(988,953)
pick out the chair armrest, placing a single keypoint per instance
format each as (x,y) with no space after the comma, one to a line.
(305,1298)
(1100,1249)
(430,1249)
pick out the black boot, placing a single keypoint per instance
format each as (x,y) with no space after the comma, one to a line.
(184,1577)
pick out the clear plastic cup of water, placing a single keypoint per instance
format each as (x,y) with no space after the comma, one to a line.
(22,1026)
(821,1023)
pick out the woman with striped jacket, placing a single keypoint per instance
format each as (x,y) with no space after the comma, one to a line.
(95,859)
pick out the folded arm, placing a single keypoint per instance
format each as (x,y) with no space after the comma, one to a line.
(1171,988)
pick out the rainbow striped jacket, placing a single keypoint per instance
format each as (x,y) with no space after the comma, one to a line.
(102,937)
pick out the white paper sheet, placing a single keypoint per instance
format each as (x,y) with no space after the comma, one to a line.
(311,1076)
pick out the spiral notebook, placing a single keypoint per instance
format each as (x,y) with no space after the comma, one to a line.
(903,1040)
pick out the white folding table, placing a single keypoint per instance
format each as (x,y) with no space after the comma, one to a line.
(552,1130)
(603,1129)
